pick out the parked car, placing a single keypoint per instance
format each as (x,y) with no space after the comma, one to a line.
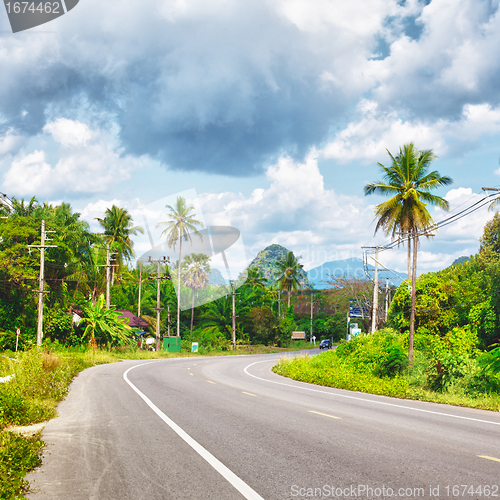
(325,344)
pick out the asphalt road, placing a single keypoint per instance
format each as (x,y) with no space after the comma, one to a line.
(229,428)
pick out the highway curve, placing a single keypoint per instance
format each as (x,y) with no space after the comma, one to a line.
(229,428)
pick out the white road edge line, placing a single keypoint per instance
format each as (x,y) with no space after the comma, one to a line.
(227,474)
(363,399)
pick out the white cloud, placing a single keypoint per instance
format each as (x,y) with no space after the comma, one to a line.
(90,161)
(367,138)
(27,174)
(10,142)
(68,132)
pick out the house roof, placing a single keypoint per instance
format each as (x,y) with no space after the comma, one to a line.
(133,320)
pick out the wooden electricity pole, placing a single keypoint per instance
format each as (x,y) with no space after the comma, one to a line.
(375,290)
(158,302)
(140,286)
(41,280)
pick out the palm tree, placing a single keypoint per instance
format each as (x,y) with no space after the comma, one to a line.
(117,225)
(288,273)
(181,222)
(197,268)
(255,278)
(409,183)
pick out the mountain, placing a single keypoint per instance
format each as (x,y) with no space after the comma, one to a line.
(215,277)
(265,262)
(461,260)
(347,268)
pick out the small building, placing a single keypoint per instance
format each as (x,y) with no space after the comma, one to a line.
(133,320)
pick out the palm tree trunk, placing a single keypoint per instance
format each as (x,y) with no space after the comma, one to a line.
(409,256)
(413,298)
(179,289)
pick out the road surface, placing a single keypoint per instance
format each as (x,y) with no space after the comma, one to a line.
(228,428)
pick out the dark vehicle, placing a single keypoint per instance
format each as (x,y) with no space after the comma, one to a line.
(325,344)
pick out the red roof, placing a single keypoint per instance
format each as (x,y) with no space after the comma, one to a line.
(134,321)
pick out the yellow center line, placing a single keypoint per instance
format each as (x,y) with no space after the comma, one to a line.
(191,374)
(489,458)
(210,382)
(249,393)
(324,414)
(189,368)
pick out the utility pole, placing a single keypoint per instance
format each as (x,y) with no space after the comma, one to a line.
(375,290)
(386,296)
(140,286)
(312,316)
(168,319)
(234,313)
(41,280)
(158,308)
(108,278)
(108,267)
(279,304)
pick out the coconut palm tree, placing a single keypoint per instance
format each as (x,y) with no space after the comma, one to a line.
(196,269)
(288,273)
(409,183)
(255,278)
(181,222)
(118,228)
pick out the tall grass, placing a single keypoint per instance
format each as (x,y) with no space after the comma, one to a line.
(41,379)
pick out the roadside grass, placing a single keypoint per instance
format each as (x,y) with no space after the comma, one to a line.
(357,368)
(41,379)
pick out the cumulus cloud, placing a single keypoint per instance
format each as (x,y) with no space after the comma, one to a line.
(367,138)
(296,211)
(224,86)
(90,161)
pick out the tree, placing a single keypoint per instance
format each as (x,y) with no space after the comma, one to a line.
(118,228)
(491,235)
(197,268)
(409,183)
(177,228)
(255,278)
(103,325)
(288,273)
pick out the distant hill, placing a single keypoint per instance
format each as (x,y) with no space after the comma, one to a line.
(352,268)
(215,277)
(347,268)
(266,259)
(461,260)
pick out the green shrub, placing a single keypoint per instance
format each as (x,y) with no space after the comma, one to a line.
(394,363)
(18,455)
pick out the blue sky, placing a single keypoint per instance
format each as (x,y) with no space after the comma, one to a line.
(275,111)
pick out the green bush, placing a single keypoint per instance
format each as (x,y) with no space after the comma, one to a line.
(18,455)
(394,363)
(377,364)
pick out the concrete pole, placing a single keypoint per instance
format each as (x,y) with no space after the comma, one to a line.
(140,286)
(158,308)
(311,334)
(39,335)
(108,278)
(375,295)
(234,316)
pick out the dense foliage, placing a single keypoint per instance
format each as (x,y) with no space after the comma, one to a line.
(449,370)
